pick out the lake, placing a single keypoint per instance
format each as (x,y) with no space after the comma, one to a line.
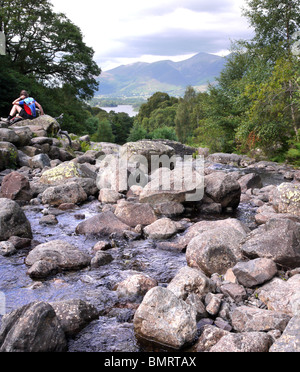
(128,109)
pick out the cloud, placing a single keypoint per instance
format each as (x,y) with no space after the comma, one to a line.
(125,31)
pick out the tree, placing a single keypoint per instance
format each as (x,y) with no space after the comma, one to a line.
(48,46)
(104,132)
(274,22)
(137,133)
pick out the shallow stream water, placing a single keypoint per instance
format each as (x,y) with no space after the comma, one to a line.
(114,329)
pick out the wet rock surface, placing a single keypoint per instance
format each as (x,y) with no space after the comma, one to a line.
(142,269)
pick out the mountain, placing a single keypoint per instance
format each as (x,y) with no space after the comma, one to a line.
(144,79)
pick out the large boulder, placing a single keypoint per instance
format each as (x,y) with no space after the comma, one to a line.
(188,281)
(286,199)
(165,319)
(254,272)
(103,224)
(281,295)
(161,229)
(42,126)
(69,193)
(16,186)
(60,254)
(215,250)
(63,173)
(148,150)
(278,240)
(249,319)
(182,184)
(8,135)
(135,285)
(13,221)
(74,315)
(134,214)
(223,188)
(32,328)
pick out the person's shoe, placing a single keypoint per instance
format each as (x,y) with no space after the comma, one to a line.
(15,120)
(5,120)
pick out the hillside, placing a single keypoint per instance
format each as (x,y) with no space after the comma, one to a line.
(144,79)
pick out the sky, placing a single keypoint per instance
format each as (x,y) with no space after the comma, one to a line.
(124,32)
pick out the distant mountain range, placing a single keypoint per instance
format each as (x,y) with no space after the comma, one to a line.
(143,79)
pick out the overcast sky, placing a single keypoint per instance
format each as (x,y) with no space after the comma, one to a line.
(123,32)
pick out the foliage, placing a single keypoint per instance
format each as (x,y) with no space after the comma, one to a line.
(137,133)
(164,133)
(104,132)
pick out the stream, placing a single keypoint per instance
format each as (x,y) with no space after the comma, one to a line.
(113,331)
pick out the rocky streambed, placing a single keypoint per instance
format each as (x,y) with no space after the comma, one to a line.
(101,268)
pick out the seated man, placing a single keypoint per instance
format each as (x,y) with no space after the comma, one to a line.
(24,107)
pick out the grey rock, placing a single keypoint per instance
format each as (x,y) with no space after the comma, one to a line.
(255,272)
(13,221)
(74,315)
(248,319)
(69,193)
(289,342)
(249,342)
(165,319)
(101,259)
(32,328)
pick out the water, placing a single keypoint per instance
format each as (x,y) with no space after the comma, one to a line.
(114,329)
(128,109)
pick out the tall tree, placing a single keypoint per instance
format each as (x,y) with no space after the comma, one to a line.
(47,45)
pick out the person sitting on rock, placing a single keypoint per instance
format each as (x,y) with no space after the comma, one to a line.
(24,107)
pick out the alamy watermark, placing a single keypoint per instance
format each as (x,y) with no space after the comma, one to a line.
(2,304)
(2,44)
(154,174)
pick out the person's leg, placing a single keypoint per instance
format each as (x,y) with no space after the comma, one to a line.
(15,110)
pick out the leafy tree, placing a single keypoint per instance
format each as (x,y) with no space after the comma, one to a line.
(121,124)
(164,133)
(137,133)
(104,132)
(48,46)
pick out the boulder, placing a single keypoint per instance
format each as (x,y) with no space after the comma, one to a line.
(210,336)
(179,185)
(8,135)
(134,214)
(289,342)
(215,250)
(13,221)
(280,295)
(64,255)
(165,319)
(42,126)
(40,161)
(169,209)
(286,199)
(148,151)
(32,328)
(74,315)
(249,319)
(108,196)
(190,280)
(136,285)
(101,259)
(8,155)
(25,135)
(15,186)
(62,173)
(161,229)
(223,158)
(103,224)
(248,342)
(255,272)
(223,188)
(250,181)
(278,240)
(69,193)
